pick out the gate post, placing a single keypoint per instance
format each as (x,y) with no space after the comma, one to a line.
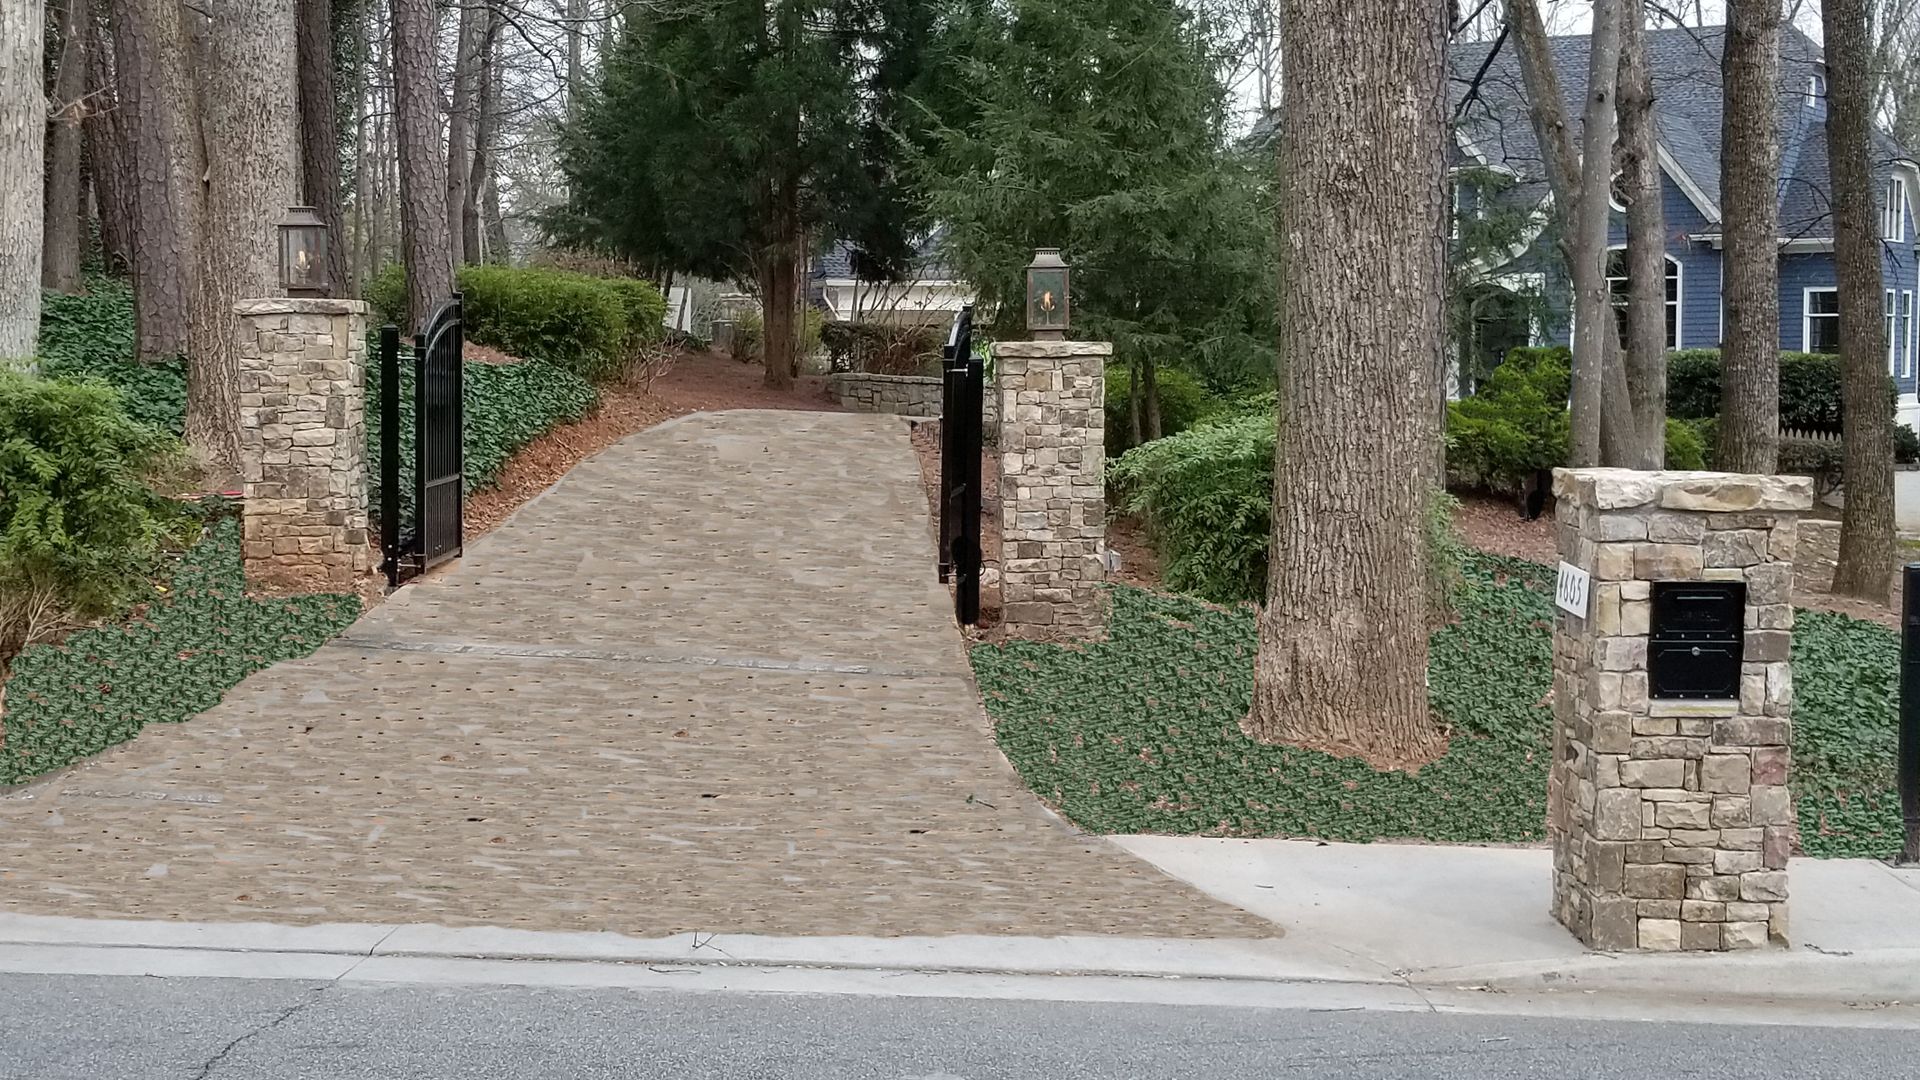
(303,452)
(1053,508)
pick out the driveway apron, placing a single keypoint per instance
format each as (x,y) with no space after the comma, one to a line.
(705,683)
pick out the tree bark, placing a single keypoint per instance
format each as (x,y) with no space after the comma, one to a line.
(1749,430)
(1593,304)
(1865,565)
(1149,400)
(1343,637)
(23,129)
(423,166)
(60,233)
(1646,366)
(1613,426)
(108,154)
(1134,429)
(157,99)
(777,298)
(460,125)
(250,115)
(320,131)
(486,109)
(576,69)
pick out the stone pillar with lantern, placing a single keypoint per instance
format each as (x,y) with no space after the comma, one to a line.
(303,446)
(1053,516)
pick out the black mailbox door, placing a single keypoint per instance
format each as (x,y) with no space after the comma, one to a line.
(1696,639)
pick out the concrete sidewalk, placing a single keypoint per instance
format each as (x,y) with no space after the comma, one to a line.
(1371,926)
(1462,916)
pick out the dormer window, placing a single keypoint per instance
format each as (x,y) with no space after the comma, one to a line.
(1816,91)
(1893,215)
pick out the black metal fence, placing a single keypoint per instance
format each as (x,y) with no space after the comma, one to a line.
(962,400)
(439,463)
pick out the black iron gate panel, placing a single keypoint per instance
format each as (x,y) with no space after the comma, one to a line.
(963,395)
(428,531)
(439,460)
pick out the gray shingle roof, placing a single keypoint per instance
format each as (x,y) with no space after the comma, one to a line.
(837,260)
(1686,82)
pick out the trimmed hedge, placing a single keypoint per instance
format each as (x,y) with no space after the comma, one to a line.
(588,325)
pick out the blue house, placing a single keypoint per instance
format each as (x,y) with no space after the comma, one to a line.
(1497,168)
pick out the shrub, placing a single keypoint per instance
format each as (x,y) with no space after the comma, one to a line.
(569,320)
(79,527)
(747,331)
(1809,388)
(880,348)
(1518,423)
(588,325)
(506,406)
(1906,445)
(1184,402)
(1207,495)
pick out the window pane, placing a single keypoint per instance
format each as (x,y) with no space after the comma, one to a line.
(1673,326)
(1823,302)
(1823,334)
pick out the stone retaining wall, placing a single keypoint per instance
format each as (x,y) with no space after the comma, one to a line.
(1671,820)
(900,395)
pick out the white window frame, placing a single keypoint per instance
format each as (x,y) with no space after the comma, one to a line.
(1907,343)
(1816,90)
(1679,301)
(1453,185)
(1894,346)
(1807,316)
(1893,217)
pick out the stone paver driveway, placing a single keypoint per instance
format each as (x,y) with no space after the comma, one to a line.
(706,683)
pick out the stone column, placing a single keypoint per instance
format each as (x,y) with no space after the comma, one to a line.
(1053,510)
(303,442)
(1670,819)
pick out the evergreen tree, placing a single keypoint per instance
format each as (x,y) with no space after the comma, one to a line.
(1099,127)
(726,137)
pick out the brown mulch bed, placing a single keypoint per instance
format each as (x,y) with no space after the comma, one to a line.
(697,382)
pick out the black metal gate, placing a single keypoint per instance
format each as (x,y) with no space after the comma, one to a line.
(963,395)
(438,456)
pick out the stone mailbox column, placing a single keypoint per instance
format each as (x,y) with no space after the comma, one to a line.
(1671,820)
(303,442)
(1053,508)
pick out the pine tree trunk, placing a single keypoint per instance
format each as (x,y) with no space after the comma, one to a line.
(487,107)
(423,165)
(358,247)
(576,38)
(466,64)
(250,114)
(151,65)
(1134,428)
(1149,400)
(1865,565)
(1592,304)
(1343,638)
(108,154)
(777,302)
(497,249)
(61,236)
(1646,247)
(320,131)
(1749,430)
(23,144)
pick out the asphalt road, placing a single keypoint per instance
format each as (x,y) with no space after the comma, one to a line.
(66,1027)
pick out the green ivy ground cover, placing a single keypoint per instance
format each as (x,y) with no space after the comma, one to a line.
(198,638)
(1140,733)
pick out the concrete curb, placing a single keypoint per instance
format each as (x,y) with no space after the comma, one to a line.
(1795,975)
(1264,960)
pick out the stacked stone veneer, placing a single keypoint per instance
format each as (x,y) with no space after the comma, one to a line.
(1671,820)
(1053,511)
(901,395)
(303,440)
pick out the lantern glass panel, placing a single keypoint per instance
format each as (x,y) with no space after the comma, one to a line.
(1047,299)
